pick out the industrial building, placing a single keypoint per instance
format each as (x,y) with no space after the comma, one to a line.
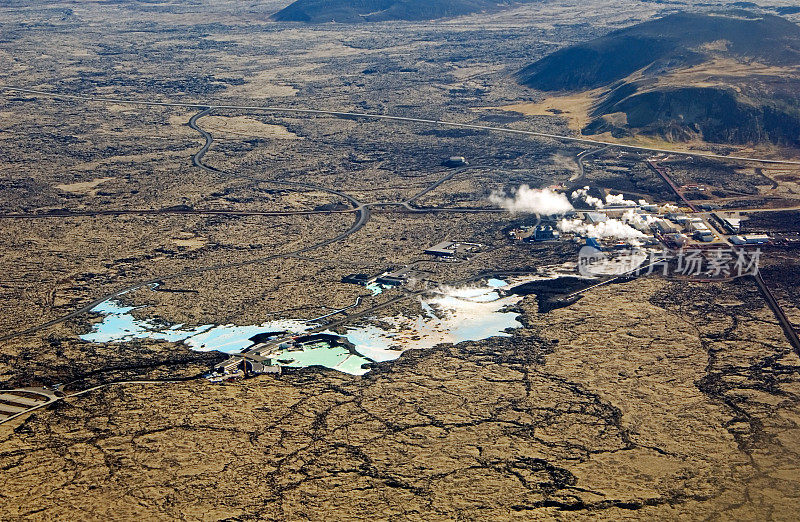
(252,367)
(678,240)
(700,230)
(391,279)
(242,366)
(596,217)
(664,227)
(544,233)
(443,249)
(788,239)
(731,224)
(755,239)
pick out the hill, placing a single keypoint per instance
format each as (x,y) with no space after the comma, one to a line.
(725,77)
(353,11)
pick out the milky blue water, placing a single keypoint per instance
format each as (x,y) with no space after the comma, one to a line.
(322,354)
(118,325)
(496,283)
(375,288)
(453,316)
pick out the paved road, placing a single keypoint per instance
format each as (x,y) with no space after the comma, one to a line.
(50,398)
(446,177)
(197,159)
(387,117)
(18,402)
(747,210)
(777,309)
(678,192)
(390,206)
(581,167)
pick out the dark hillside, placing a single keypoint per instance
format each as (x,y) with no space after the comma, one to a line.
(686,76)
(353,11)
(675,40)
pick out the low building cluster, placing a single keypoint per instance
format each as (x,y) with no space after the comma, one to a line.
(541,232)
(694,227)
(618,222)
(729,223)
(240,366)
(389,278)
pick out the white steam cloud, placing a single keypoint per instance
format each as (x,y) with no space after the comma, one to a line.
(609,229)
(545,202)
(641,222)
(631,225)
(582,194)
(619,199)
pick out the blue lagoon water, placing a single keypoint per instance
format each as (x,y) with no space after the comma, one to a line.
(451,315)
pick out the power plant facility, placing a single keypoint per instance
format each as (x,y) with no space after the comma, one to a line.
(614,221)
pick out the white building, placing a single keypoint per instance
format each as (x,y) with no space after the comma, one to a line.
(755,239)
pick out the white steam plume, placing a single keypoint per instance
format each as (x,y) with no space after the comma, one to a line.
(641,222)
(619,199)
(612,228)
(545,202)
(582,194)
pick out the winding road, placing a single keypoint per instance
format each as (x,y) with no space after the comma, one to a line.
(362,216)
(581,167)
(387,117)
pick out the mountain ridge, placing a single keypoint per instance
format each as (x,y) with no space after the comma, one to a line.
(686,75)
